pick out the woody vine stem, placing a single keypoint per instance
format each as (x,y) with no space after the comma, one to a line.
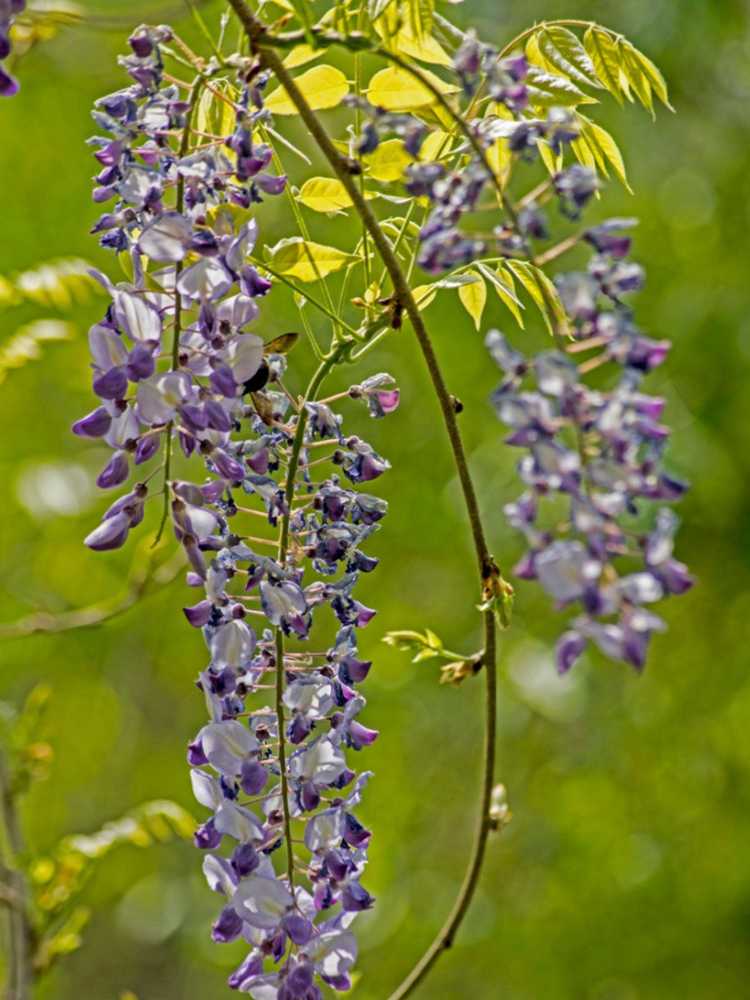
(489,573)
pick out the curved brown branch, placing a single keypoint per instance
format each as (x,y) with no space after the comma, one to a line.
(488,571)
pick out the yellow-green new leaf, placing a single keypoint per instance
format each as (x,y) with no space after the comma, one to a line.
(424,295)
(557,49)
(504,284)
(548,90)
(543,293)
(602,48)
(388,162)
(302,54)
(395,89)
(407,36)
(604,149)
(552,163)
(323,86)
(653,74)
(637,80)
(474,298)
(298,258)
(324,194)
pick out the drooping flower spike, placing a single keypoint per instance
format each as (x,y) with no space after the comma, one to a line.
(599,451)
(175,359)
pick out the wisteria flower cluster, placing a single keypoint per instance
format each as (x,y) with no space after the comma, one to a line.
(8,10)
(181,216)
(600,454)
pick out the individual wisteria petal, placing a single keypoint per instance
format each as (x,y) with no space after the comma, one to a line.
(167,239)
(94,424)
(112,533)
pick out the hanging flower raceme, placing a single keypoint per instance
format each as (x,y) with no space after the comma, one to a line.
(173,357)
(175,362)
(599,453)
(277,779)
(8,10)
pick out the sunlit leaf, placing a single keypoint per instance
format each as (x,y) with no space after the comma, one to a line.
(424,295)
(395,89)
(436,145)
(503,283)
(633,73)
(602,48)
(409,36)
(388,162)
(500,159)
(323,87)
(558,50)
(324,194)
(551,162)
(543,293)
(306,260)
(547,90)
(604,149)
(474,298)
(654,75)
(300,55)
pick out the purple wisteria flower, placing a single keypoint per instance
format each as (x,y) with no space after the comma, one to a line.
(9,9)
(175,362)
(599,451)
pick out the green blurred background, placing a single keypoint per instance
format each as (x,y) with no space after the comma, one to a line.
(625,874)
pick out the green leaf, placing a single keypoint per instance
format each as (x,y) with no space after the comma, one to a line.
(643,76)
(306,260)
(551,162)
(64,941)
(214,116)
(409,35)
(654,75)
(388,162)
(631,68)
(323,86)
(547,90)
(395,89)
(324,194)
(473,298)
(557,49)
(543,293)
(604,149)
(302,54)
(504,284)
(424,295)
(424,646)
(58,879)
(603,50)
